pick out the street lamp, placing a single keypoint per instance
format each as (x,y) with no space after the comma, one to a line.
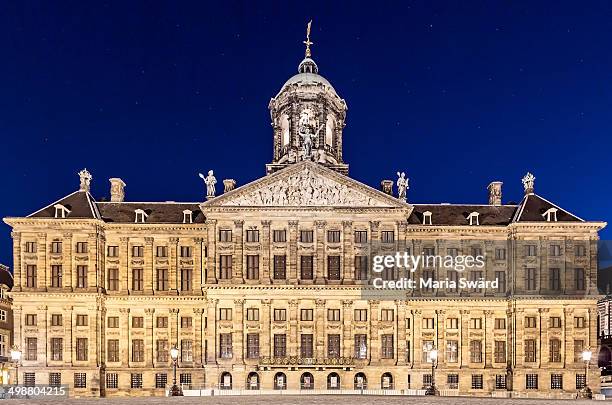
(432,389)
(175,391)
(586,392)
(15,358)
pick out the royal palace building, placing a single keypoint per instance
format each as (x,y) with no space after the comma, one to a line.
(268,286)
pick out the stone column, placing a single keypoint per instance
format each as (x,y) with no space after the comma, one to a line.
(18,272)
(149,337)
(149,276)
(198,265)
(124,322)
(439,336)
(238,332)
(238,259)
(198,338)
(319,330)
(266,339)
(265,250)
(568,334)
(292,343)
(319,262)
(374,239)
(211,262)
(543,355)
(173,323)
(42,326)
(374,338)
(400,326)
(488,338)
(292,259)
(173,264)
(124,268)
(211,330)
(68,327)
(42,279)
(464,343)
(417,341)
(519,346)
(347,321)
(348,253)
(489,270)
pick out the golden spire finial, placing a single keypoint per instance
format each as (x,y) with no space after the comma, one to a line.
(308,42)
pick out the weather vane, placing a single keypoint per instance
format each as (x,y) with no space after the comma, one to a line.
(308,42)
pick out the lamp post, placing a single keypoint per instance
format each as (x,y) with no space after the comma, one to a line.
(432,389)
(586,392)
(175,391)
(16,358)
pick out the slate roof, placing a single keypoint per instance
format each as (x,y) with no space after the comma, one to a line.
(533,206)
(456,214)
(6,277)
(158,212)
(80,203)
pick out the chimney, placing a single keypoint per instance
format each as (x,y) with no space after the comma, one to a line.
(495,193)
(229,185)
(117,189)
(85,178)
(387,186)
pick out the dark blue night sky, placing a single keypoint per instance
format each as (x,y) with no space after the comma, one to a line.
(456,94)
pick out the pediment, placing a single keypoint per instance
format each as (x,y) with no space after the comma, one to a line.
(305,184)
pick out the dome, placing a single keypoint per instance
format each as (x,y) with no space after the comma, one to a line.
(308,74)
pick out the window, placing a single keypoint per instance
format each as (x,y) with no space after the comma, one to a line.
(580,280)
(333,315)
(333,267)
(531,250)
(81,247)
(137,322)
(136,380)
(279,235)
(30,247)
(252,235)
(361,315)
(252,346)
(80,380)
(427,218)
(500,351)
(137,279)
(407,323)
(112,251)
(31,276)
(555,351)
(429,251)
(162,321)
(387,236)
(137,350)
(225,235)
(161,280)
(280,315)
(452,350)
(252,267)
(162,350)
(531,381)
(280,262)
(580,251)
(428,323)
(427,347)
(500,254)
(137,251)
(530,321)
(81,349)
(56,276)
(530,350)
(387,351)
(306,314)
(56,247)
(56,320)
(57,348)
(31,348)
(280,345)
(555,322)
(30,379)
(387,315)
(580,381)
(306,268)
(452,380)
(306,350)
(501,277)
(225,342)
(476,251)
(473,218)
(476,351)
(475,276)
(530,279)
(161,380)
(361,267)
(81,276)
(408,352)
(361,346)
(252,314)
(500,323)
(333,236)
(187,350)
(555,279)
(579,322)
(578,348)
(55,379)
(225,314)
(186,322)
(500,382)
(113,321)
(333,346)
(477,382)
(186,251)
(476,323)
(113,279)
(30,320)
(140,216)
(187,217)
(555,250)
(161,251)
(225,267)
(306,236)
(113,350)
(112,380)
(361,236)
(186,279)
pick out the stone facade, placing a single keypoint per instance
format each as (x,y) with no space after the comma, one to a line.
(263,287)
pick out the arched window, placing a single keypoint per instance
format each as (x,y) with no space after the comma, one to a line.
(307,381)
(225,383)
(285,132)
(333,381)
(361,382)
(252,381)
(330,126)
(280,381)
(386,381)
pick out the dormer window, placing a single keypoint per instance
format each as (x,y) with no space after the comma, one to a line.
(187,217)
(427,218)
(141,216)
(61,211)
(473,218)
(550,215)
